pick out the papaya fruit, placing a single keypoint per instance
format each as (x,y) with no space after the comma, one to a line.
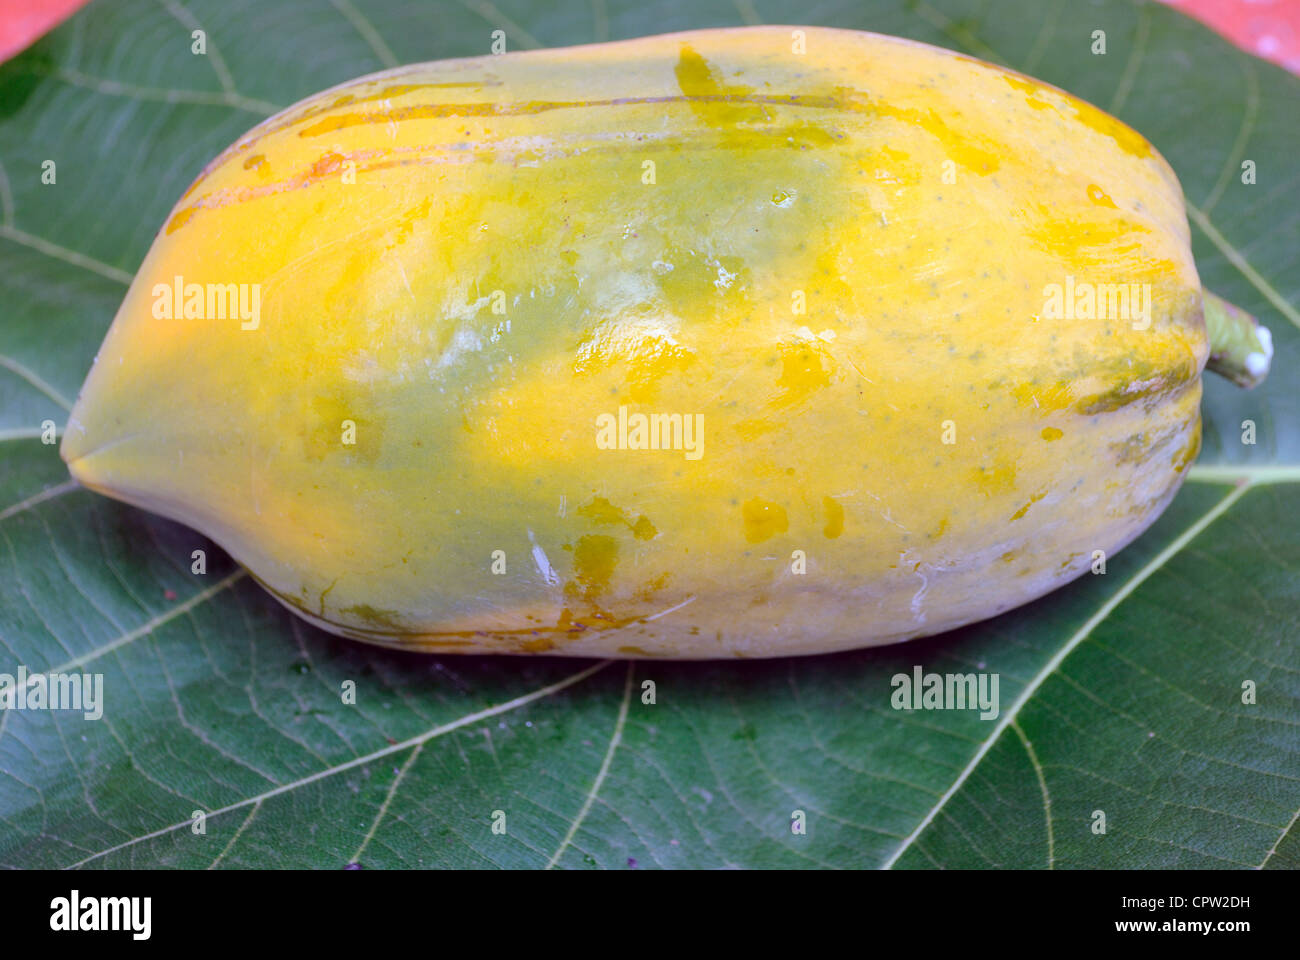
(730,343)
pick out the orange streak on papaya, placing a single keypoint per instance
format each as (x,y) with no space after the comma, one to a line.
(441,111)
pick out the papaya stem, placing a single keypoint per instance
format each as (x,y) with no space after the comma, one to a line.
(1240,349)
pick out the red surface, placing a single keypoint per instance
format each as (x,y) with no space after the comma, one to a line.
(1267,28)
(23,21)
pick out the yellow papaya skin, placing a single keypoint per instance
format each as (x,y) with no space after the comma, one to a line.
(836,263)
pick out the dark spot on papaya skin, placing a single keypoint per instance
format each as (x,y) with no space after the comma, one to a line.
(1025,509)
(180,218)
(601,510)
(1098,196)
(695,77)
(323,432)
(834,518)
(802,372)
(538,644)
(651,587)
(763,519)
(390,619)
(595,557)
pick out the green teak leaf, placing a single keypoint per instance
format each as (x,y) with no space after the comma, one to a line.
(1122,694)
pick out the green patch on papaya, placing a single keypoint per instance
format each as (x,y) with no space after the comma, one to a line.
(1148,386)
